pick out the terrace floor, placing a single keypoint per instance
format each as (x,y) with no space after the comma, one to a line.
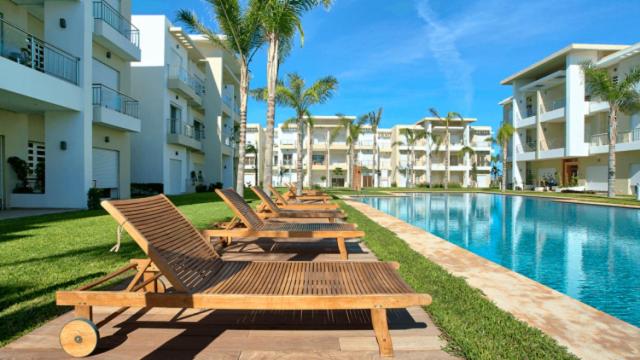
(164,333)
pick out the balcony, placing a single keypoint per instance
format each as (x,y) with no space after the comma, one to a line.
(625,141)
(232,108)
(114,109)
(554,111)
(228,142)
(551,149)
(181,133)
(27,50)
(190,86)
(115,32)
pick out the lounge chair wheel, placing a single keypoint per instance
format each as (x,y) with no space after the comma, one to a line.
(79,337)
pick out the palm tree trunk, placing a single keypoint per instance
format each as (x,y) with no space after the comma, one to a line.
(272,77)
(244,88)
(613,139)
(447,158)
(376,180)
(309,155)
(503,183)
(352,166)
(413,163)
(299,174)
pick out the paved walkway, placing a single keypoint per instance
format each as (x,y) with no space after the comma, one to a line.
(584,330)
(20,213)
(178,334)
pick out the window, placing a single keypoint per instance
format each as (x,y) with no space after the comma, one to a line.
(35,160)
(317,159)
(275,159)
(175,119)
(198,129)
(287,159)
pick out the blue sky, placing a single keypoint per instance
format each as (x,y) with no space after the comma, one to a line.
(410,55)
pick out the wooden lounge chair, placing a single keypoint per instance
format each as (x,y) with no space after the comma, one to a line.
(269,209)
(199,279)
(291,195)
(256,227)
(290,205)
(292,188)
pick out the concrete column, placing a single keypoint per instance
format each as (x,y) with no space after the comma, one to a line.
(213,165)
(575,105)
(68,171)
(428,128)
(467,157)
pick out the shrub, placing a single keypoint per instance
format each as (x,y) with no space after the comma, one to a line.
(200,188)
(21,169)
(316,187)
(93,198)
(423,185)
(146,189)
(455,186)
(394,184)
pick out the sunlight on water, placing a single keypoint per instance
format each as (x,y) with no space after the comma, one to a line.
(591,253)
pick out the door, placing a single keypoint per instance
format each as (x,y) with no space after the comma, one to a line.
(105,170)
(175,176)
(634,177)
(109,78)
(597,178)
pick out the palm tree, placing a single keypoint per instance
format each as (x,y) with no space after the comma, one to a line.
(505,132)
(472,153)
(433,142)
(374,121)
(250,149)
(280,20)
(243,37)
(623,97)
(451,116)
(293,94)
(353,129)
(412,136)
(328,159)
(495,171)
(309,123)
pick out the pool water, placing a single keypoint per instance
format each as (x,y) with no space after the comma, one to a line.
(591,253)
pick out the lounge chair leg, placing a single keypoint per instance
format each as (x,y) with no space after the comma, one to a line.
(84,311)
(152,286)
(343,249)
(381,329)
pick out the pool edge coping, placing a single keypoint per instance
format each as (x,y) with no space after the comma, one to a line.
(561,317)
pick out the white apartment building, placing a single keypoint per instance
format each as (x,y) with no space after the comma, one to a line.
(561,130)
(465,169)
(65,104)
(253,162)
(330,159)
(188,90)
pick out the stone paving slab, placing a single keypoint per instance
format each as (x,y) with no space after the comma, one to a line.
(161,333)
(584,330)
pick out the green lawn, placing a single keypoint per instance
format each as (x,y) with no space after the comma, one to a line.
(598,198)
(473,325)
(42,254)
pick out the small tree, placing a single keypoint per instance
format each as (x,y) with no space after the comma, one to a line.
(353,129)
(623,97)
(21,169)
(474,169)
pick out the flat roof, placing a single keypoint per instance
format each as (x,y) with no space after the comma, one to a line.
(616,57)
(435,119)
(557,59)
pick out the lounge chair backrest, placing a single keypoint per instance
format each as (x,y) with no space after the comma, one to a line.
(240,207)
(266,199)
(279,196)
(172,243)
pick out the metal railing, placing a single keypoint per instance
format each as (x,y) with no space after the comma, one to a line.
(25,49)
(112,99)
(622,138)
(105,12)
(555,105)
(530,145)
(228,139)
(551,144)
(228,100)
(182,74)
(178,127)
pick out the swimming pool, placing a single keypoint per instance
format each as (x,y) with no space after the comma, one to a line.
(591,253)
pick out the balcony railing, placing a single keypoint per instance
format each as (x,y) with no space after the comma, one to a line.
(551,144)
(105,12)
(228,138)
(114,100)
(25,49)
(556,104)
(182,74)
(178,127)
(622,138)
